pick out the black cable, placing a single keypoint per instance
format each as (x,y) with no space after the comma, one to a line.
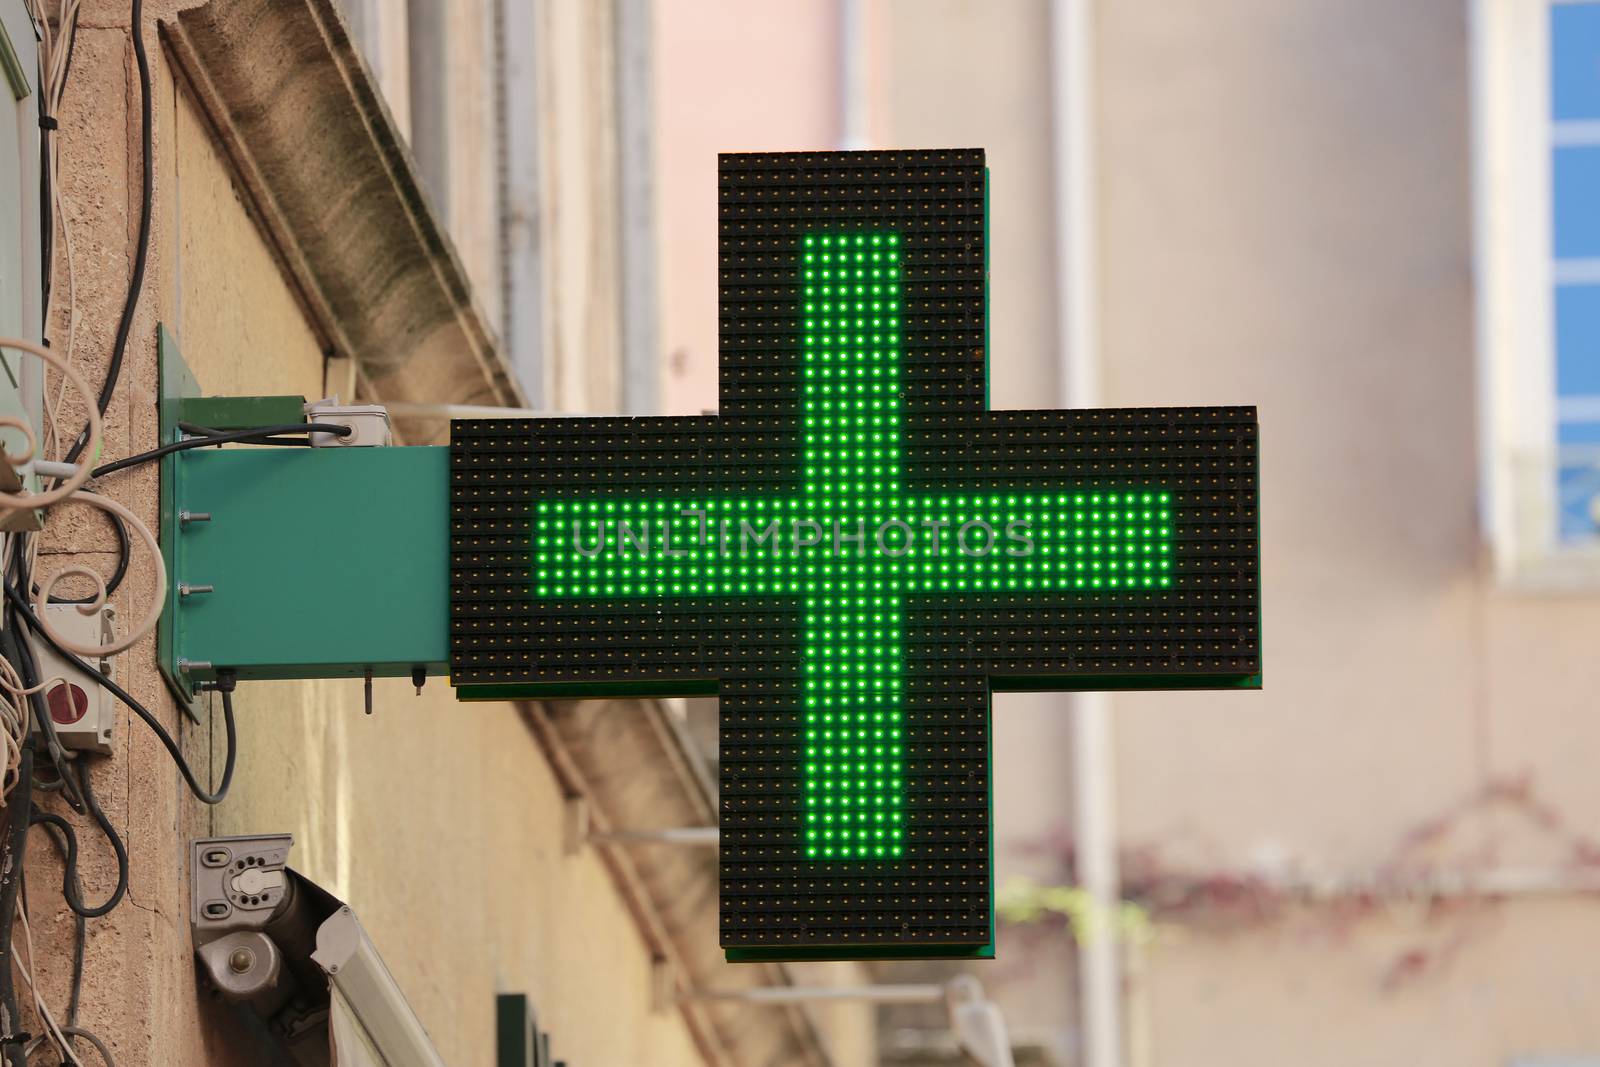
(93,1039)
(53,785)
(86,787)
(197,430)
(225,686)
(70,885)
(47,180)
(194,429)
(47,175)
(284,442)
(80,940)
(141,254)
(19,810)
(48,125)
(235,436)
(47,218)
(124,553)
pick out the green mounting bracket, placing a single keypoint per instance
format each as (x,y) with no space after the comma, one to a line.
(296,562)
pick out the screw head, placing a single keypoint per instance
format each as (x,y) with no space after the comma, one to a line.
(241,960)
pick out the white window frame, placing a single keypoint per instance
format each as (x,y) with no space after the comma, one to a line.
(21,289)
(1513,135)
(379,30)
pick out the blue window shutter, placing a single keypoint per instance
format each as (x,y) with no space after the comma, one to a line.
(1575,62)
(1575,241)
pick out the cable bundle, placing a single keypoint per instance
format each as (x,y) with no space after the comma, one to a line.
(34,760)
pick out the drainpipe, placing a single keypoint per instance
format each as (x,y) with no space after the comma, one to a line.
(852,76)
(1078,355)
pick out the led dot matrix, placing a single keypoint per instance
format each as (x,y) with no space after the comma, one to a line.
(850,417)
(854,679)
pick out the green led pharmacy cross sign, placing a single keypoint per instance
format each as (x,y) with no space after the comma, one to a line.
(853,554)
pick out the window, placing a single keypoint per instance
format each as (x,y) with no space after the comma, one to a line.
(1575,234)
(1537,177)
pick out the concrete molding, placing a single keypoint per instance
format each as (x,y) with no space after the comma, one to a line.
(601,751)
(336,192)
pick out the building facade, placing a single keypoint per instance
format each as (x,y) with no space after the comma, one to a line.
(1369,219)
(420,205)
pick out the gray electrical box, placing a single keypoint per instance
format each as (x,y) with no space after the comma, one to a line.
(81,707)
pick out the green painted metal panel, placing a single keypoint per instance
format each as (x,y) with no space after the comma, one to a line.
(11,65)
(323,562)
(242,412)
(175,383)
(516,1031)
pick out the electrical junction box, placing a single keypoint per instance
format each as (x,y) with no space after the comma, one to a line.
(81,708)
(369,424)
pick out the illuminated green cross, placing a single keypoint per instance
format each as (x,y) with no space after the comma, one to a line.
(852,545)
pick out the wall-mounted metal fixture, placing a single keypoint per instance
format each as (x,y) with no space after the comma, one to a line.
(298,959)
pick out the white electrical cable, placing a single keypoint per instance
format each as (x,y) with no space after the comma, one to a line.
(45,1015)
(25,500)
(41,595)
(13,716)
(11,682)
(12,734)
(46,468)
(53,412)
(55,55)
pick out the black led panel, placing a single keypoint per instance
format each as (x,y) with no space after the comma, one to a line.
(854,553)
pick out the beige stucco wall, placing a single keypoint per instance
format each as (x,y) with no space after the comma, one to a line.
(440,822)
(1286,221)
(1468,983)
(139,991)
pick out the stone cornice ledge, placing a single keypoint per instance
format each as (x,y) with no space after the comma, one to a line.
(333,185)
